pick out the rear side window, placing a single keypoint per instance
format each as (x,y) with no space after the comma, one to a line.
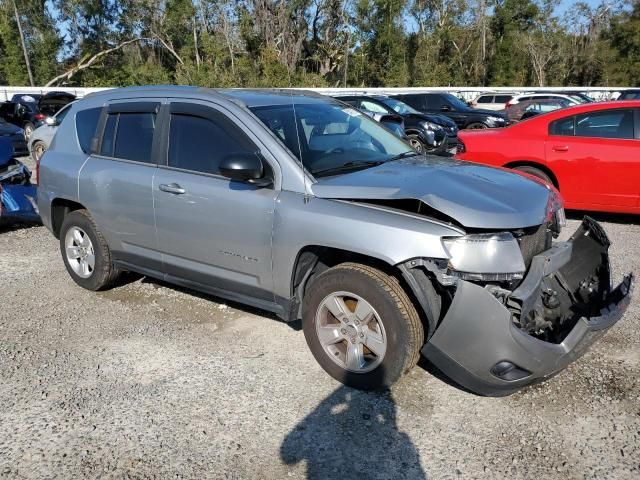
(372,107)
(605,124)
(502,98)
(86,123)
(129,136)
(564,127)
(198,144)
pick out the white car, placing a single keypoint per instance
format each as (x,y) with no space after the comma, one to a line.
(491,101)
(41,137)
(570,101)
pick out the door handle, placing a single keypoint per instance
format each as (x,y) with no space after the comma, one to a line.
(172,188)
(560,148)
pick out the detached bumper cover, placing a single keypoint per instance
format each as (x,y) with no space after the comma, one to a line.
(478,345)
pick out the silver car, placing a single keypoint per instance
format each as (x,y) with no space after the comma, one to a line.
(41,137)
(300,205)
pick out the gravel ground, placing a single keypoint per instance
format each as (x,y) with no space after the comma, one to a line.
(151,381)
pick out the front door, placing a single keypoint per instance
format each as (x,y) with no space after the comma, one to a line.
(212,231)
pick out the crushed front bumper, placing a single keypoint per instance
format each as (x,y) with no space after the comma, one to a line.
(480,346)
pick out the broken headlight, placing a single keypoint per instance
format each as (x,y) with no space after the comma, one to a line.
(487,257)
(555,216)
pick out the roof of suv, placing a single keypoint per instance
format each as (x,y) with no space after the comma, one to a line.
(248,97)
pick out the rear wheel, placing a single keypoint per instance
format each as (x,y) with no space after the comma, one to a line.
(536,172)
(361,326)
(85,252)
(37,150)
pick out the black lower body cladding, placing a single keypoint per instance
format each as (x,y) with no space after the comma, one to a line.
(485,342)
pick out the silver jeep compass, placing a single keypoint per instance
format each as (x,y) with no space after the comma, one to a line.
(298,204)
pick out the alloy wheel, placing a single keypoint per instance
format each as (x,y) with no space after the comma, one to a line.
(351,332)
(79,250)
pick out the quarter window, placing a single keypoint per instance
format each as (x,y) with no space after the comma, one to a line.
(605,124)
(199,144)
(564,127)
(86,123)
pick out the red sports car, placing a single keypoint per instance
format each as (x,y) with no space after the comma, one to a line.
(590,152)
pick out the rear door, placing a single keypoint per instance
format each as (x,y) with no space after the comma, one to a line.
(212,231)
(598,154)
(116,180)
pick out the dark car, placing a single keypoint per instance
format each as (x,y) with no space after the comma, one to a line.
(426,133)
(15,135)
(29,111)
(454,108)
(631,94)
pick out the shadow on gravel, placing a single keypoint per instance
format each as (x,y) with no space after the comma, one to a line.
(353,434)
(11,226)
(130,277)
(605,217)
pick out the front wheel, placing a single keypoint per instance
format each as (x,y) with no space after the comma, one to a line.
(361,326)
(28,130)
(85,252)
(476,126)
(417,144)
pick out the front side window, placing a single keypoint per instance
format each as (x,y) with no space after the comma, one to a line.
(329,138)
(129,136)
(605,124)
(199,144)
(486,99)
(398,106)
(372,107)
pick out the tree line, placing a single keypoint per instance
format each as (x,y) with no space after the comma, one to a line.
(318,43)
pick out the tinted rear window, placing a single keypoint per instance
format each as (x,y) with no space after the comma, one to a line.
(129,136)
(86,123)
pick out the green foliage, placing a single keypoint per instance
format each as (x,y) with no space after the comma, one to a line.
(317,43)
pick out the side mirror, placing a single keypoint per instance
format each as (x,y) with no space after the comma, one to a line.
(445,108)
(51,121)
(245,167)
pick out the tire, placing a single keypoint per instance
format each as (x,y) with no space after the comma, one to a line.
(37,150)
(417,144)
(476,126)
(102,272)
(536,172)
(393,323)
(28,129)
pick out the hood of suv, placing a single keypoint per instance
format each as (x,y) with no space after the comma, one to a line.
(475,196)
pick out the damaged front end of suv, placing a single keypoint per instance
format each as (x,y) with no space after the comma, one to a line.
(519,306)
(507,304)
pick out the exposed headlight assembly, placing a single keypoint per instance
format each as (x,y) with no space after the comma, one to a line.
(485,257)
(431,125)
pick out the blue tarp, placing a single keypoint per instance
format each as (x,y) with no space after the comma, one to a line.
(17,195)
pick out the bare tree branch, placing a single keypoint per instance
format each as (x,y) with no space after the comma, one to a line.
(86,62)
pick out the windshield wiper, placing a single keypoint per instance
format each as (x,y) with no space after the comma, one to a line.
(349,166)
(407,154)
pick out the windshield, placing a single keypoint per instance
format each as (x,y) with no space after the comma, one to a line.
(329,138)
(456,103)
(398,106)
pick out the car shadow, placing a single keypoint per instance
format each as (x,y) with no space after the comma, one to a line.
(12,226)
(353,434)
(127,278)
